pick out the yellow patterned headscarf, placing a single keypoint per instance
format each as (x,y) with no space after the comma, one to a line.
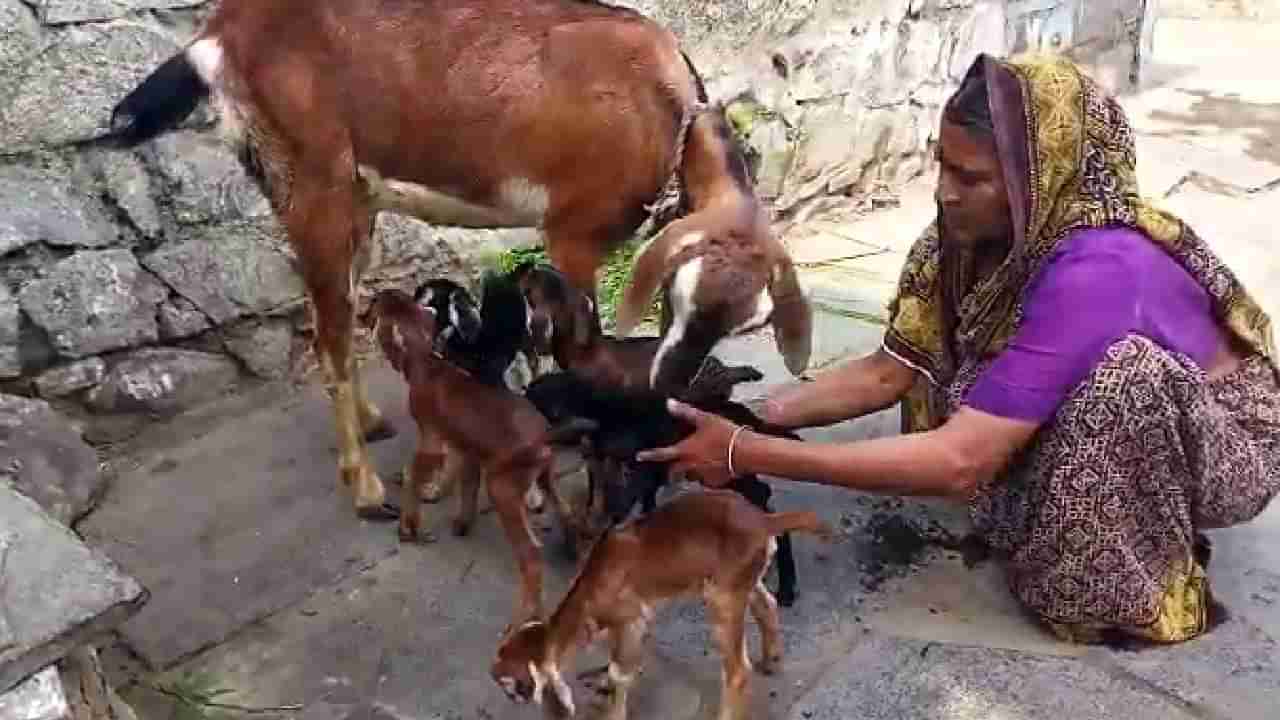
(1069,164)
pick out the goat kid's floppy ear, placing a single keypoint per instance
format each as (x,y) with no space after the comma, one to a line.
(650,267)
(792,313)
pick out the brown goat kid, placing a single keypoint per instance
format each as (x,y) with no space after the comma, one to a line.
(712,544)
(567,115)
(490,426)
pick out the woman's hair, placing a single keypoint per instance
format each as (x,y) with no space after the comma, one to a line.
(968,107)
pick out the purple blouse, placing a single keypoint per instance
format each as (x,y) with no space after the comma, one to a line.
(1100,285)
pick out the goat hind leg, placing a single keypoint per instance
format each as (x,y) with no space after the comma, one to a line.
(372,423)
(626,658)
(468,476)
(765,611)
(507,496)
(323,226)
(728,615)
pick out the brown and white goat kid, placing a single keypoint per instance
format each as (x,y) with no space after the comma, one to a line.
(568,115)
(713,544)
(497,430)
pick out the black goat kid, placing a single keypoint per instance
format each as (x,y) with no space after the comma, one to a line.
(484,340)
(628,422)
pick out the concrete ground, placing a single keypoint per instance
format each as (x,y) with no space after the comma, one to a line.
(263,583)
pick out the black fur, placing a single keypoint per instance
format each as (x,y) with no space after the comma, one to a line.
(628,422)
(503,330)
(160,103)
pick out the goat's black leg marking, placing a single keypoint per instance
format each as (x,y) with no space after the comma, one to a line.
(786,594)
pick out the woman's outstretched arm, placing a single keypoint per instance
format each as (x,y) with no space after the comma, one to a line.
(852,389)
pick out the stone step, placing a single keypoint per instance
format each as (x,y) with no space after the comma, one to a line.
(56,593)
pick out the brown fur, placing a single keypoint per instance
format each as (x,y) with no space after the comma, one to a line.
(558,113)
(496,430)
(712,544)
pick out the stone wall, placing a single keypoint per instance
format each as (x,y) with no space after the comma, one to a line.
(157,279)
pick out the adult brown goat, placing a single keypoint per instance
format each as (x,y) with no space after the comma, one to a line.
(572,116)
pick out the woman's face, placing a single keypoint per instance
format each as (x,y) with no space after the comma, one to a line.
(972,200)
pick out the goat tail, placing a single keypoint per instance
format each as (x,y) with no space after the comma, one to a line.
(798,521)
(571,430)
(167,96)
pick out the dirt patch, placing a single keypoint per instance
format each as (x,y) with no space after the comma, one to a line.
(1259,122)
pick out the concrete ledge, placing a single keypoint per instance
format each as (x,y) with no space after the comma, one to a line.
(55,592)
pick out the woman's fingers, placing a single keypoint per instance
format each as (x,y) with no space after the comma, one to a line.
(662,454)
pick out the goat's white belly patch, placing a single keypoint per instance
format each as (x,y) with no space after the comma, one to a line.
(522,203)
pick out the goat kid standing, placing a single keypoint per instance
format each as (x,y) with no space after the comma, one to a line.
(482,340)
(712,544)
(500,431)
(481,113)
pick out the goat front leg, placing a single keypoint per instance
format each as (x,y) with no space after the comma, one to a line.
(506,492)
(372,423)
(428,459)
(324,227)
(728,610)
(577,254)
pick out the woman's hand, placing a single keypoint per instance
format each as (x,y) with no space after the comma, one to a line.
(703,454)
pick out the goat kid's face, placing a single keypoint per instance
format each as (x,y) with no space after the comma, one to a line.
(454,307)
(556,309)
(393,313)
(520,669)
(725,274)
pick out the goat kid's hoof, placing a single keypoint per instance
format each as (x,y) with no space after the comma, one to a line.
(379,512)
(770,665)
(421,537)
(786,598)
(382,431)
(461,528)
(433,491)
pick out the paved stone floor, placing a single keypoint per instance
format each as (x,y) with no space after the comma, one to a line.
(262,581)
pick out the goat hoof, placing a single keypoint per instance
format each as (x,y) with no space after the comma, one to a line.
(769,665)
(786,597)
(382,511)
(382,431)
(433,491)
(461,528)
(422,537)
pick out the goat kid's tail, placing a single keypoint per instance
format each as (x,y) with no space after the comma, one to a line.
(799,521)
(167,96)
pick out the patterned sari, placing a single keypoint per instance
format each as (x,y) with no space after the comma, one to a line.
(1097,519)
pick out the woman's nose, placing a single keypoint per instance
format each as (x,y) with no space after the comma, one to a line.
(945,194)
